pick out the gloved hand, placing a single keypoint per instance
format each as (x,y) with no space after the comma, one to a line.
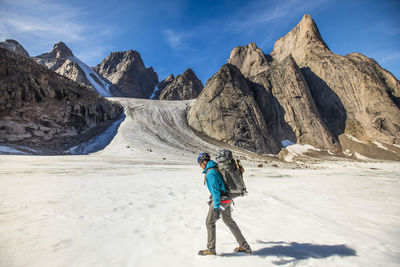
(220,208)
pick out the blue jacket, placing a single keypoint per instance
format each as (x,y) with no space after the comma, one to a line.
(214,183)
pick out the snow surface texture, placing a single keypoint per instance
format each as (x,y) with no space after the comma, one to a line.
(141,202)
(159,129)
(103,88)
(102,210)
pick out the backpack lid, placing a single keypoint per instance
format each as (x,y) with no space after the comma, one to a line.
(224,155)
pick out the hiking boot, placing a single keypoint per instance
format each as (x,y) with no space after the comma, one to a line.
(243,249)
(206,252)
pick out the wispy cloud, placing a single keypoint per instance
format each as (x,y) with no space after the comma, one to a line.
(389,57)
(385,27)
(174,38)
(41,23)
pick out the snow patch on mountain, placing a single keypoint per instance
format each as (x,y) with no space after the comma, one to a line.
(103,87)
(156,89)
(10,150)
(378,144)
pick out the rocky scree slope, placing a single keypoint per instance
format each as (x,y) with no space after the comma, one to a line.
(42,110)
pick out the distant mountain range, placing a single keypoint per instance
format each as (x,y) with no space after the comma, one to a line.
(299,93)
(121,74)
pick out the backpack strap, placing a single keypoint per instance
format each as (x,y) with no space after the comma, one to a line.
(226,193)
(205,175)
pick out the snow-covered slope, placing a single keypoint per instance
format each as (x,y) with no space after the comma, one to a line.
(98,82)
(119,210)
(159,128)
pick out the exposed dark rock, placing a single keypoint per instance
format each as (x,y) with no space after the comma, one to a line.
(227,111)
(15,47)
(284,98)
(43,110)
(161,86)
(127,71)
(183,87)
(56,57)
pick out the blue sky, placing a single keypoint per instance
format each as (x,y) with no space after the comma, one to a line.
(176,34)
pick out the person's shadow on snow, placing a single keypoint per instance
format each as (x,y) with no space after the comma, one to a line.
(291,252)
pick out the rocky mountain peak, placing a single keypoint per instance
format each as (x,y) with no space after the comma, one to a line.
(184,86)
(227,111)
(303,39)
(170,78)
(250,59)
(14,46)
(127,71)
(62,50)
(56,57)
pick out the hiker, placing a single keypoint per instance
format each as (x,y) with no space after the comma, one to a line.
(219,206)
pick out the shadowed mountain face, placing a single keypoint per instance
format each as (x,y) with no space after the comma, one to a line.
(127,71)
(284,98)
(227,111)
(43,110)
(15,47)
(184,87)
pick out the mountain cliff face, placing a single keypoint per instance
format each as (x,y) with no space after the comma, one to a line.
(61,60)
(15,47)
(353,94)
(227,111)
(284,98)
(127,71)
(45,111)
(309,95)
(183,87)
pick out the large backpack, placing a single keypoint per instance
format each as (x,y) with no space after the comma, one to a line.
(232,173)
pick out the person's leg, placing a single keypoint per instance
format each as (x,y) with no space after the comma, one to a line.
(227,218)
(212,218)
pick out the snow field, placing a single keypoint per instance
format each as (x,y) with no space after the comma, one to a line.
(101,211)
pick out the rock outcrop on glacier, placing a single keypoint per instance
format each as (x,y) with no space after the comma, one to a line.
(42,110)
(61,60)
(184,87)
(14,46)
(227,111)
(284,98)
(127,71)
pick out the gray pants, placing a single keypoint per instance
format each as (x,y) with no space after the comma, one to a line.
(212,218)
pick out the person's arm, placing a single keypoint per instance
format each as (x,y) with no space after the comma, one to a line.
(214,188)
